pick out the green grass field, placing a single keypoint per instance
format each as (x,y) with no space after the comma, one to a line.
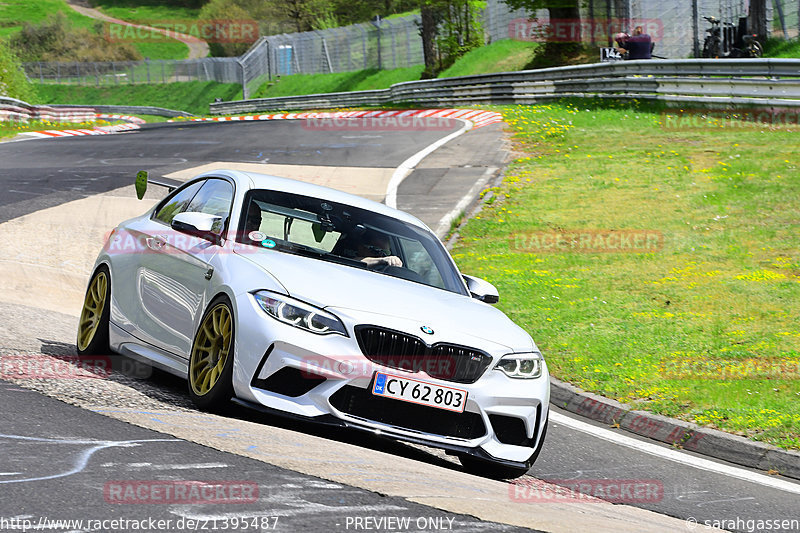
(14,13)
(704,326)
(501,56)
(156,12)
(782,48)
(10,129)
(359,80)
(192,96)
(496,57)
(146,10)
(169,49)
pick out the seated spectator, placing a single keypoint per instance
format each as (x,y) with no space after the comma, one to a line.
(638,45)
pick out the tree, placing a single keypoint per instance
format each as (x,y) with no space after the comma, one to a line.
(554,51)
(449,29)
(57,39)
(13,82)
(429,11)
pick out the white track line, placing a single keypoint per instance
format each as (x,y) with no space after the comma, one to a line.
(675,455)
(408,165)
(444,223)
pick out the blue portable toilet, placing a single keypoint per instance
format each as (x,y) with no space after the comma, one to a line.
(285,59)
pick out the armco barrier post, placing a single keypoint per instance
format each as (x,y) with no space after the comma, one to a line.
(245,92)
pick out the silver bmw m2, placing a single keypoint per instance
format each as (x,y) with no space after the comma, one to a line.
(311,302)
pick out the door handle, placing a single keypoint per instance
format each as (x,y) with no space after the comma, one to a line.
(155,243)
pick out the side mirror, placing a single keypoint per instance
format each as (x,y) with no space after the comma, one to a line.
(482,290)
(200,225)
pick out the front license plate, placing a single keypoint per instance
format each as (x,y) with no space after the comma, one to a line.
(415,391)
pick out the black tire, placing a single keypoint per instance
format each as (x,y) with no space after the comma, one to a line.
(493,470)
(92,338)
(711,48)
(754,49)
(208,391)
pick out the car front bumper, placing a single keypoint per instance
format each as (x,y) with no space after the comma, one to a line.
(326,377)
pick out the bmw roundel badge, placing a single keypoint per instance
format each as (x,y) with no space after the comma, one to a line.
(426,329)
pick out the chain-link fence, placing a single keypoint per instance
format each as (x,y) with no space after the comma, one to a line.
(677,27)
(388,44)
(786,19)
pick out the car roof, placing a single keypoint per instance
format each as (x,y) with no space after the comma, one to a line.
(255,180)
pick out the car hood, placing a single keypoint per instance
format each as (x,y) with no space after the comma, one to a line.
(334,286)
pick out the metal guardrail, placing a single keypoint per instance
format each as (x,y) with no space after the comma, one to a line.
(131,110)
(757,82)
(12,109)
(311,101)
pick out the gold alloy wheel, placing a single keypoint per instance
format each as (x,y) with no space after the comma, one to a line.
(210,351)
(93,307)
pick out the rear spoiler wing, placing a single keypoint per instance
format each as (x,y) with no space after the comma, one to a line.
(143,179)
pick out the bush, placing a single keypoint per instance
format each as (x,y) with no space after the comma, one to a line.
(225,10)
(57,39)
(13,82)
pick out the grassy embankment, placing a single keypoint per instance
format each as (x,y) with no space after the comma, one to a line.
(782,48)
(191,96)
(496,57)
(10,129)
(154,12)
(144,11)
(195,96)
(704,327)
(14,13)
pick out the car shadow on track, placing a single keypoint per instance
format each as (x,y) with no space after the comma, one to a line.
(171,392)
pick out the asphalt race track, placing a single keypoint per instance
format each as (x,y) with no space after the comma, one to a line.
(63,461)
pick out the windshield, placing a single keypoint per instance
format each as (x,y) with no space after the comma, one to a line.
(340,233)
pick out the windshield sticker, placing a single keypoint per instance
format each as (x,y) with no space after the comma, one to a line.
(269,243)
(256,236)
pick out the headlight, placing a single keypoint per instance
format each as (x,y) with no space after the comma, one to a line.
(521,365)
(299,314)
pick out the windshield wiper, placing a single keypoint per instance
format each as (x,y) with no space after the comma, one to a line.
(308,251)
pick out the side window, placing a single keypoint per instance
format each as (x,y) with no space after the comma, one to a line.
(178,203)
(214,198)
(276,226)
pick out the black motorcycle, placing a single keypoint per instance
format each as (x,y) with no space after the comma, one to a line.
(727,40)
